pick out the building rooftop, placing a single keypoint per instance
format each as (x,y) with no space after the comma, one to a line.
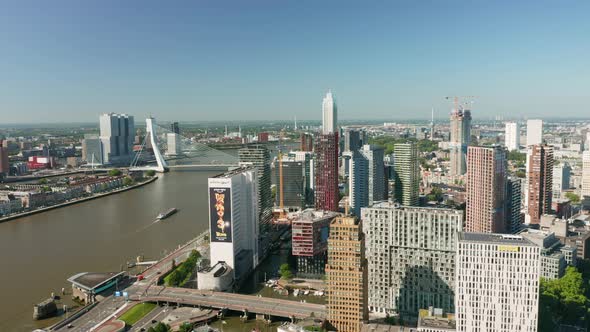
(390,205)
(434,319)
(92,280)
(232,172)
(495,238)
(312,215)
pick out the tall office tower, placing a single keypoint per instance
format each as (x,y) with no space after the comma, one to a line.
(513,204)
(259,157)
(561,178)
(175,128)
(407,175)
(294,183)
(233,217)
(306,142)
(309,236)
(4,163)
(512,136)
(329,115)
(346,275)
(460,138)
(497,283)
(366,179)
(534,132)
(92,151)
(586,173)
(352,139)
(539,182)
(411,257)
(326,172)
(174,144)
(486,190)
(117,133)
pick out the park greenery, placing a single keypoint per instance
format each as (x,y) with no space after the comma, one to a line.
(42,181)
(388,143)
(563,301)
(160,327)
(435,195)
(183,272)
(136,313)
(516,156)
(285,271)
(127,181)
(186,327)
(115,172)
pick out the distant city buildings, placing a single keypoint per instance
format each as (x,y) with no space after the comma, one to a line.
(306,142)
(497,283)
(174,147)
(512,136)
(411,257)
(309,238)
(233,220)
(534,132)
(539,181)
(407,175)
(346,275)
(486,190)
(366,178)
(460,138)
(259,157)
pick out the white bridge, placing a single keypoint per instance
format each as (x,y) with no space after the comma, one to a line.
(179,152)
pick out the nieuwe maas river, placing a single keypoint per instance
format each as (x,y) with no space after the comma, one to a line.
(39,252)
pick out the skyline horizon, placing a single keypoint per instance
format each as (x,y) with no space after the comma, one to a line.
(70,61)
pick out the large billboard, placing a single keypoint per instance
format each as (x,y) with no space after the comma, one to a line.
(220,214)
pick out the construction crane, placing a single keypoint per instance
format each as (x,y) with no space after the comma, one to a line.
(461,103)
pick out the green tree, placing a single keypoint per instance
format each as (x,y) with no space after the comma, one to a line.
(150,173)
(564,300)
(575,199)
(160,327)
(127,181)
(115,172)
(42,181)
(186,327)
(516,156)
(285,271)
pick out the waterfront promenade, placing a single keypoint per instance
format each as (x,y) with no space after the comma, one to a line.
(76,201)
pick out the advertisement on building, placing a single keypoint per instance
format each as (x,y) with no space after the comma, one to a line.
(220,214)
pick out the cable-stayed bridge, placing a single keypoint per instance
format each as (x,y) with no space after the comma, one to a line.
(163,149)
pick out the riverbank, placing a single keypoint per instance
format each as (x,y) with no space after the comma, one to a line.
(76,201)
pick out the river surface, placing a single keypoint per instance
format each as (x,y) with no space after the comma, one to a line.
(39,252)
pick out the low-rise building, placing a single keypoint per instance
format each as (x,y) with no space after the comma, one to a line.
(435,320)
(218,277)
(553,253)
(9,204)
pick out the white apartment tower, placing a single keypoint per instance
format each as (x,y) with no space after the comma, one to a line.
(329,114)
(512,136)
(586,173)
(233,217)
(411,257)
(497,287)
(534,132)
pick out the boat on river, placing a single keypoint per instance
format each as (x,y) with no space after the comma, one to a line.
(166,214)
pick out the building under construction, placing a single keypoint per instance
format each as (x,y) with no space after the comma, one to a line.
(310,231)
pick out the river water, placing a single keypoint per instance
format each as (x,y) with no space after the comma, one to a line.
(39,252)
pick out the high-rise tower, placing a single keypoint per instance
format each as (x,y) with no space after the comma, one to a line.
(534,132)
(407,175)
(512,136)
(486,190)
(539,176)
(460,137)
(326,172)
(259,157)
(329,114)
(346,275)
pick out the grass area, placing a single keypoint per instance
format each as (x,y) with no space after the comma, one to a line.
(182,273)
(137,312)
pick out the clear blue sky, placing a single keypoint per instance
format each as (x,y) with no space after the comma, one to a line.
(214,60)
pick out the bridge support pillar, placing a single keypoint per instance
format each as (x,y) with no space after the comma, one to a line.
(244,317)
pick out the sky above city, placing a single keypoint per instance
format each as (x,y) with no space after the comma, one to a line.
(69,61)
